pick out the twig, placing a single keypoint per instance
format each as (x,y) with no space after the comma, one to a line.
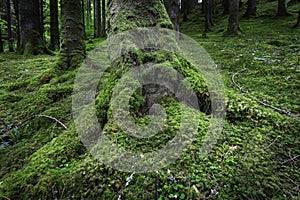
(128,180)
(278,109)
(5,197)
(291,159)
(271,143)
(237,85)
(56,120)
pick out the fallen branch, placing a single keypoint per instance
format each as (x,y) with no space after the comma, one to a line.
(56,120)
(278,109)
(237,85)
(263,103)
(271,143)
(291,159)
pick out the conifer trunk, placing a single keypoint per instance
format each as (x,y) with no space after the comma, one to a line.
(54,30)
(72,35)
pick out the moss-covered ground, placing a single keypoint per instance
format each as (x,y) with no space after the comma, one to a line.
(256,156)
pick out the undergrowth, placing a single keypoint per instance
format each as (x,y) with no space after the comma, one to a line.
(256,156)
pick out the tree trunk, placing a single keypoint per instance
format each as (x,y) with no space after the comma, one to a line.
(89,14)
(17,24)
(233,22)
(54,30)
(208,10)
(282,10)
(31,38)
(1,42)
(97,19)
(10,38)
(83,17)
(251,8)
(103,25)
(172,7)
(226,4)
(41,2)
(72,35)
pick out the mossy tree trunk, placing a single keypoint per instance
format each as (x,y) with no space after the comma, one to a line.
(172,7)
(54,30)
(282,10)
(1,42)
(31,38)
(72,35)
(103,25)
(17,22)
(251,8)
(233,21)
(10,38)
(97,19)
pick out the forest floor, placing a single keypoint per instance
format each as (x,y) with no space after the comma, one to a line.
(256,157)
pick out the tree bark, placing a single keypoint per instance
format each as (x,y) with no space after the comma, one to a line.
(17,24)
(31,38)
(282,9)
(1,42)
(251,8)
(72,35)
(226,4)
(10,38)
(208,10)
(97,19)
(41,3)
(233,22)
(54,30)
(172,7)
(89,14)
(103,25)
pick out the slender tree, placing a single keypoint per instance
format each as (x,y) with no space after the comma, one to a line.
(72,35)
(172,7)
(208,10)
(233,22)
(97,19)
(10,38)
(42,29)
(31,38)
(282,9)
(54,28)
(251,8)
(103,25)
(226,4)
(1,41)
(17,22)
(89,14)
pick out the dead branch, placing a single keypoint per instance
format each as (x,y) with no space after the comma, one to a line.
(237,85)
(278,109)
(291,159)
(56,120)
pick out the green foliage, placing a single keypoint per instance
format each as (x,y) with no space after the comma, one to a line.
(254,158)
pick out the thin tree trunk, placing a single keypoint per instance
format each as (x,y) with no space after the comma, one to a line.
(89,14)
(97,19)
(103,25)
(42,19)
(83,17)
(54,28)
(17,16)
(251,8)
(72,35)
(31,38)
(10,38)
(233,22)
(172,7)
(282,10)
(226,4)
(1,42)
